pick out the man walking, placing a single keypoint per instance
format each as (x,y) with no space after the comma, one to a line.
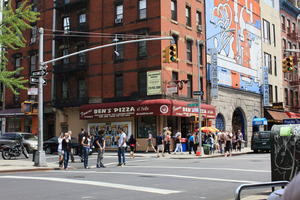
(80,149)
(121,147)
(160,144)
(100,145)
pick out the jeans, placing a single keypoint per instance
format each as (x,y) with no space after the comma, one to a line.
(191,146)
(100,158)
(178,147)
(121,153)
(167,147)
(86,151)
(66,159)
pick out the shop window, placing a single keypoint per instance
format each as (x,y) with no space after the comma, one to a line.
(145,124)
(13,125)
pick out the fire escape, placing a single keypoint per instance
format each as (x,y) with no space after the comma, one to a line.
(70,73)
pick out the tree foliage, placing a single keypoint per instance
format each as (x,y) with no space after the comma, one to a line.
(14,22)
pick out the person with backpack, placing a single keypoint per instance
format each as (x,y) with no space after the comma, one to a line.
(99,143)
(86,144)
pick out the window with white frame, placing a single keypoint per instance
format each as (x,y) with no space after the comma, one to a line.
(82,18)
(266,31)
(119,14)
(174,10)
(66,24)
(198,18)
(189,53)
(268,61)
(142,9)
(188,16)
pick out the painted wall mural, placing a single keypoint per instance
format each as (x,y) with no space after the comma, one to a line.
(234,29)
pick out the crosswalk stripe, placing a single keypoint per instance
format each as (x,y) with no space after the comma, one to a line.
(98,183)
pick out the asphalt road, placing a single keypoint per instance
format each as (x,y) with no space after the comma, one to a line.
(142,178)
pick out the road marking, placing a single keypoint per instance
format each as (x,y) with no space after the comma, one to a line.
(203,168)
(162,175)
(98,183)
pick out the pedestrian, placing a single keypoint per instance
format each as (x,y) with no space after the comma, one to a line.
(167,142)
(80,148)
(150,142)
(222,137)
(99,144)
(234,141)
(121,147)
(178,142)
(60,151)
(71,145)
(240,140)
(86,144)
(160,144)
(132,144)
(210,142)
(197,142)
(66,148)
(228,144)
(191,142)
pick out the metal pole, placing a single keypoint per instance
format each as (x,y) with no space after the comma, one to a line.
(3,119)
(199,98)
(40,157)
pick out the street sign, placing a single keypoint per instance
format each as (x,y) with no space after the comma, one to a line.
(193,105)
(32,91)
(35,80)
(199,93)
(39,73)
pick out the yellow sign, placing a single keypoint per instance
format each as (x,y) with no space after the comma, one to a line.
(154,82)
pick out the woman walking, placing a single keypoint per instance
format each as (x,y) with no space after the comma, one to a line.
(228,144)
(167,134)
(66,148)
(86,144)
(150,142)
(59,150)
(132,144)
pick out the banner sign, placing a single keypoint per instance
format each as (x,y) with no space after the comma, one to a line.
(214,73)
(265,88)
(154,82)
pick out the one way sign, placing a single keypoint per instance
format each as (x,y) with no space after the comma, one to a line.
(39,73)
(35,80)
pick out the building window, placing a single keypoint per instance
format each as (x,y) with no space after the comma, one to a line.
(142,83)
(174,10)
(18,61)
(145,124)
(268,61)
(82,56)
(189,52)
(64,90)
(292,97)
(198,18)
(119,14)
(66,24)
(66,1)
(283,22)
(82,18)
(119,49)
(270,93)
(288,26)
(297,99)
(142,46)
(274,34)
(142,9)
(188,16)
(119,85)
(64,53)
(175,78)
(33,62)
(201,87)
(286,96)
(33,34)
(276,94)
(275,65)
(190,86)
(201,54)
(220,122)
(34,5)
(266,31)
(81,88)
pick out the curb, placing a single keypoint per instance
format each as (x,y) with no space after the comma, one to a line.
(28,170)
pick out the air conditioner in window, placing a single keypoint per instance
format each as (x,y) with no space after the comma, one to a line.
(199,28)
(118,20)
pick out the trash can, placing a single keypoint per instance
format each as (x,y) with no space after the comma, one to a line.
(206,149)
(184,144)
(285,152)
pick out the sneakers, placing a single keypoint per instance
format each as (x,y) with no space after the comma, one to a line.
(121,165)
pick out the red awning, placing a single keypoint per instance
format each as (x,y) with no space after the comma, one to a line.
(143,108)
(293,115)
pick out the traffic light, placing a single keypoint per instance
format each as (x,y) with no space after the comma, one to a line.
(29,107)
(166,55)
(173,52)
(290,63)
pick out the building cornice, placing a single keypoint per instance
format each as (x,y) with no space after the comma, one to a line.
(289,8)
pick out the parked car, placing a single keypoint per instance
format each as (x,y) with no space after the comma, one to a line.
(50,145)
(261,141)
(30,141)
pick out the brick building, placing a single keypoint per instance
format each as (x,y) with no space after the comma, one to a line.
(127,85)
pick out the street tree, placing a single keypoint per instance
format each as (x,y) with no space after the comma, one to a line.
(12,26)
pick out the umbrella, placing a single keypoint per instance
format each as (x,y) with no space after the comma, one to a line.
(206,129)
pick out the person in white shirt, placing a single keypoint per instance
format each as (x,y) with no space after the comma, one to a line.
(59,150)
(178,142)
(86,144)
(121,147)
